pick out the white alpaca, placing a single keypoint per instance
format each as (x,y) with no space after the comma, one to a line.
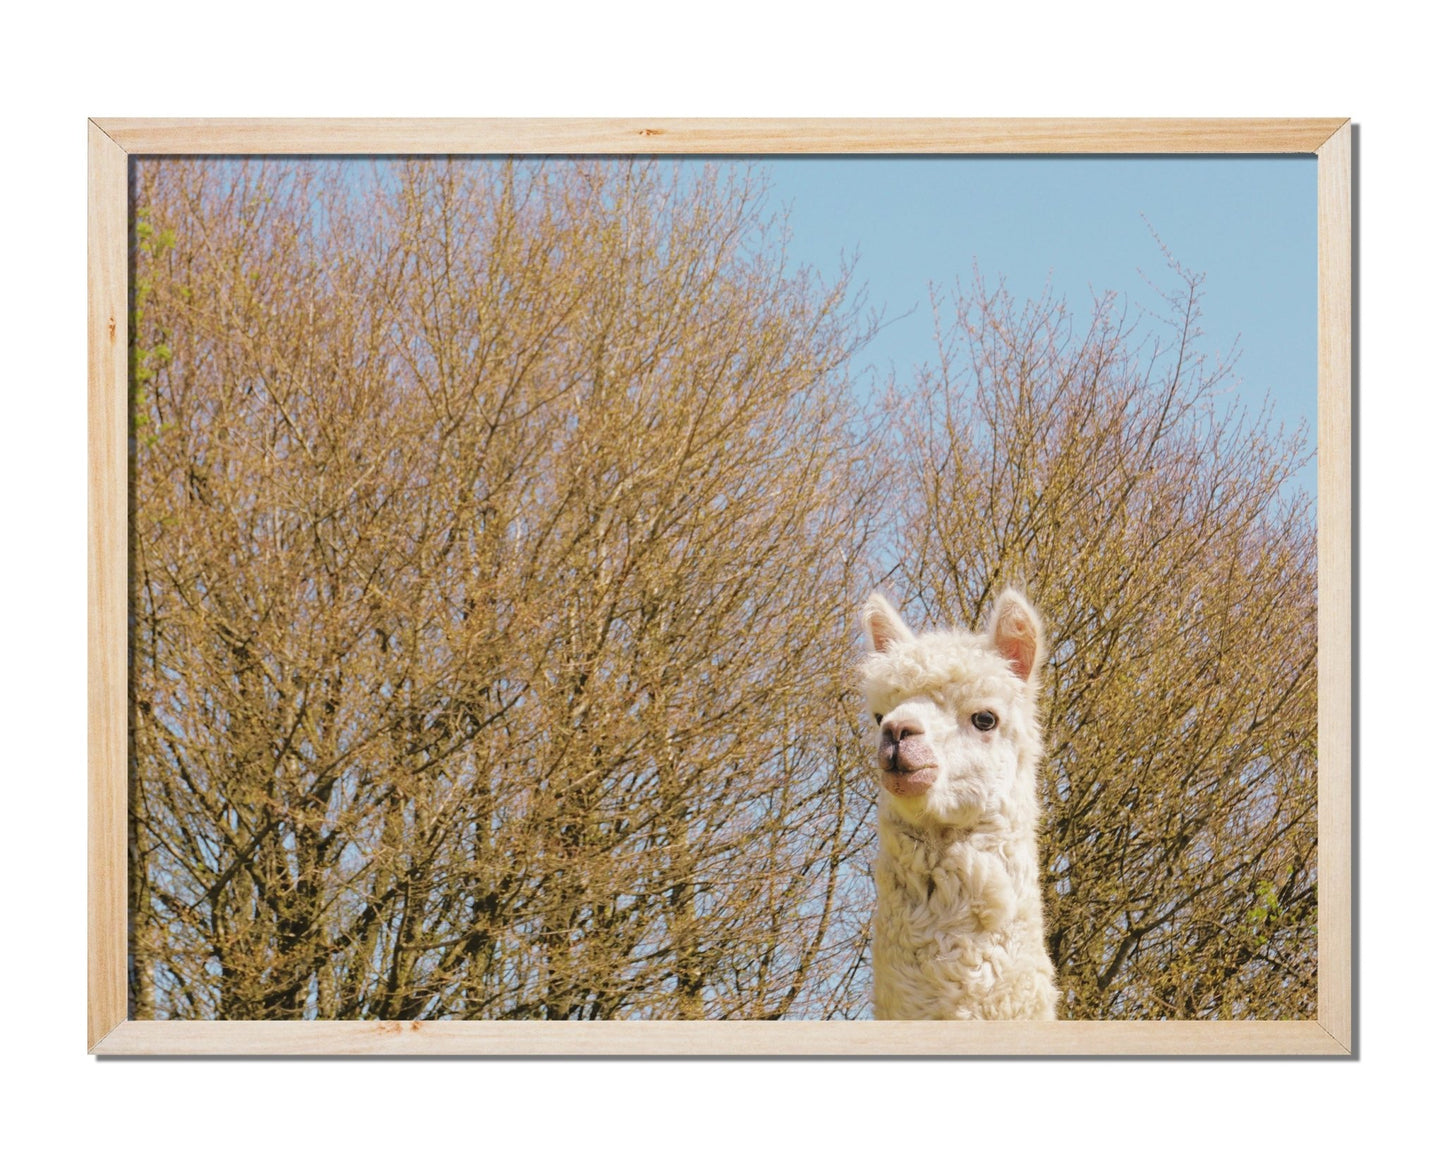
(958,933)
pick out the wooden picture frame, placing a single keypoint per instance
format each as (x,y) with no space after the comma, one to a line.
(113,141)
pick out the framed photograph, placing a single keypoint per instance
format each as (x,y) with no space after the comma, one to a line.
(714,587)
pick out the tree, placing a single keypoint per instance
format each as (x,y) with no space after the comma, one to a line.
(497,536)
(1106,469)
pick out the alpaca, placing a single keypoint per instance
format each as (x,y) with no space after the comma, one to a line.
(958,932)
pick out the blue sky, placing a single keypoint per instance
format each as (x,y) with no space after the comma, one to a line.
(1246,223)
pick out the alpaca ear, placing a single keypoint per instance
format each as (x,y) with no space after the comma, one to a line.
(883,625)
(1017,633)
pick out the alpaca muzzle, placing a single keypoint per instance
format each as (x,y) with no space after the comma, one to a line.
(906,760)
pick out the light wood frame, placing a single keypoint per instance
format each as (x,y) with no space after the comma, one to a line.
(113,141)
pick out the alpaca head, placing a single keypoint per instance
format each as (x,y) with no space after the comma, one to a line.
(957,731)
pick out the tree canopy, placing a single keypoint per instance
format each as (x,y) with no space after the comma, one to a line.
(1156,526)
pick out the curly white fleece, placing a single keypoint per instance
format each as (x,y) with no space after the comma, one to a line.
(958,931)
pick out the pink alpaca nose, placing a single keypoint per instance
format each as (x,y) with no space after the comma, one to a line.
(905,757)
(895,730)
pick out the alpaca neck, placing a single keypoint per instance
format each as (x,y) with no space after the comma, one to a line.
(987,832)
(959,925)
(976,878)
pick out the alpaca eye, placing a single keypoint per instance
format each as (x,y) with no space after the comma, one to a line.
(878,718)
(985,720)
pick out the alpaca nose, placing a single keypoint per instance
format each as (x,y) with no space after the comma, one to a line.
(895,730)
(906,757)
